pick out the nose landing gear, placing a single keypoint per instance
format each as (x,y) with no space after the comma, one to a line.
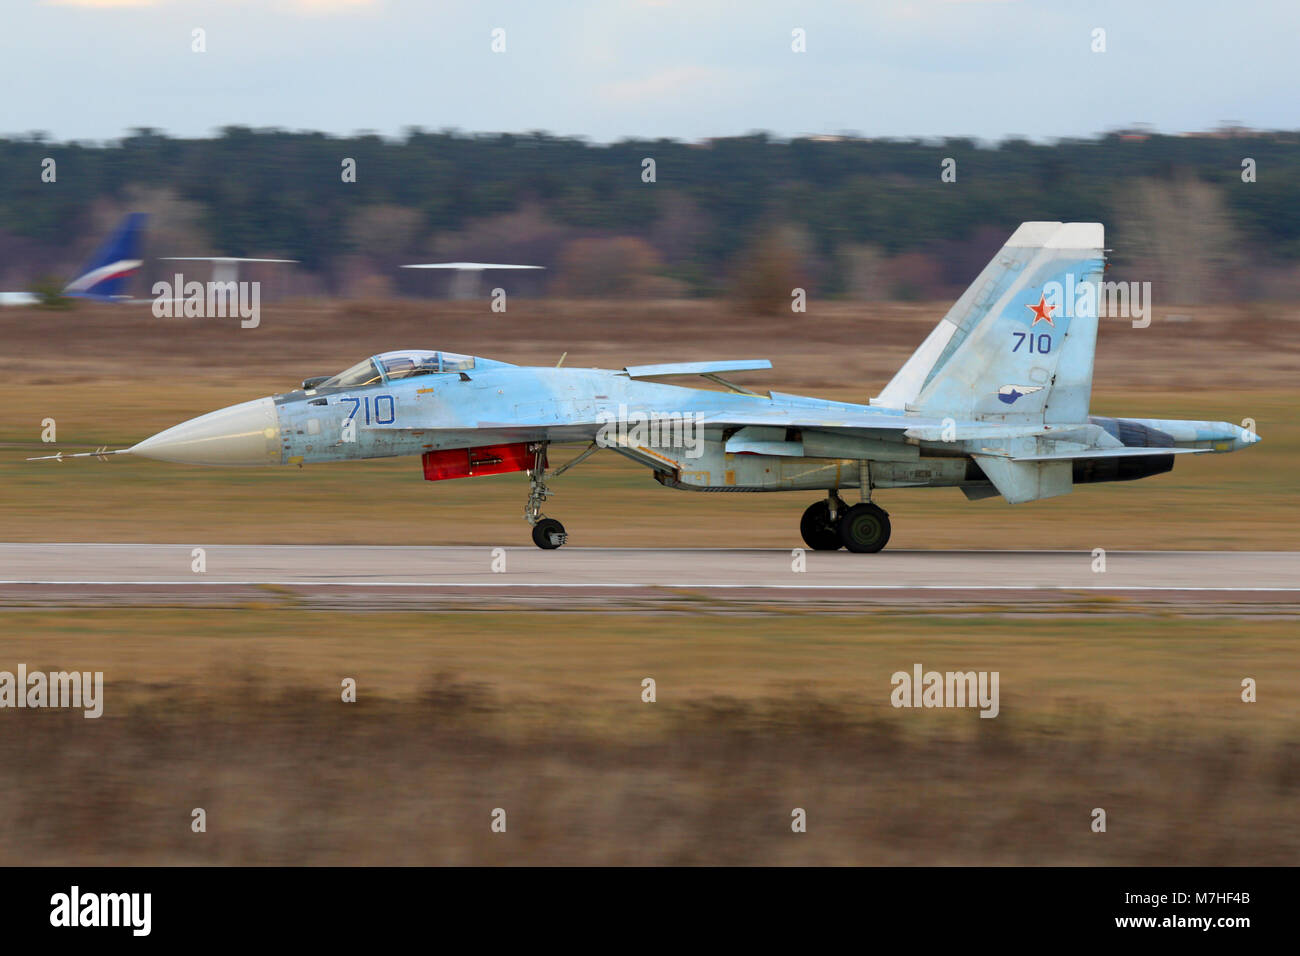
(548,534)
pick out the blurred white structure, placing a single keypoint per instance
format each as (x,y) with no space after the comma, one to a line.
(224,268)
(465,284)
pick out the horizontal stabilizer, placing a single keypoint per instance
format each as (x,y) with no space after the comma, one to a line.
(1110,453)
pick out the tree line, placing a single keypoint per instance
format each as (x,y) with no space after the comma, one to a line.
(845,216)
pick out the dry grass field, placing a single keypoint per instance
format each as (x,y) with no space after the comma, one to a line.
(239,712)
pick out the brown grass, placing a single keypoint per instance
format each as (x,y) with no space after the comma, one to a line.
(239,712)
(295,779)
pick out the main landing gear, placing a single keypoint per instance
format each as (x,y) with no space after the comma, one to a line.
(830,524)
(548,534)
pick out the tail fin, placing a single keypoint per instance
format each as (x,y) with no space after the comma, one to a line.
(105,276)
(1018,345)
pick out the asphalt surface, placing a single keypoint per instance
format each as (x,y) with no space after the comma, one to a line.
(172,566)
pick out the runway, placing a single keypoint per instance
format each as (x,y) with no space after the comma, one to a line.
(376,574)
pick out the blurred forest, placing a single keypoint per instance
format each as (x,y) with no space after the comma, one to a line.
(750,217)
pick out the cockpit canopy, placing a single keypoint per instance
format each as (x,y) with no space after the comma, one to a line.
(391,366)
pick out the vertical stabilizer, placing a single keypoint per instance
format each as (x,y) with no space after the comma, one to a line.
(106,275)
(1018,345)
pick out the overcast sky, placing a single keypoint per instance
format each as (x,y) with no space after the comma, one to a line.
(687,69)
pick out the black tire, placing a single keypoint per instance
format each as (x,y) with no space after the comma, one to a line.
(818,531)
(864,528)
(548,534)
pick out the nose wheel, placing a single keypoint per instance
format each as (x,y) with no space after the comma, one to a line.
(549,534)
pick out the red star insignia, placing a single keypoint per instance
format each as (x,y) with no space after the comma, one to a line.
(1042,312)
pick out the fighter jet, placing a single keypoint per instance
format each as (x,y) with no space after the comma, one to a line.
(995,401)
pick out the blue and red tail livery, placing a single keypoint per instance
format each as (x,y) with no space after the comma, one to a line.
(105,276)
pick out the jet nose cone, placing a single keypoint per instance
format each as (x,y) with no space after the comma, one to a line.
(244,434)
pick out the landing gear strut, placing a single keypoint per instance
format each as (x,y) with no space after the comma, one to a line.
(830,524)
(548,534)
